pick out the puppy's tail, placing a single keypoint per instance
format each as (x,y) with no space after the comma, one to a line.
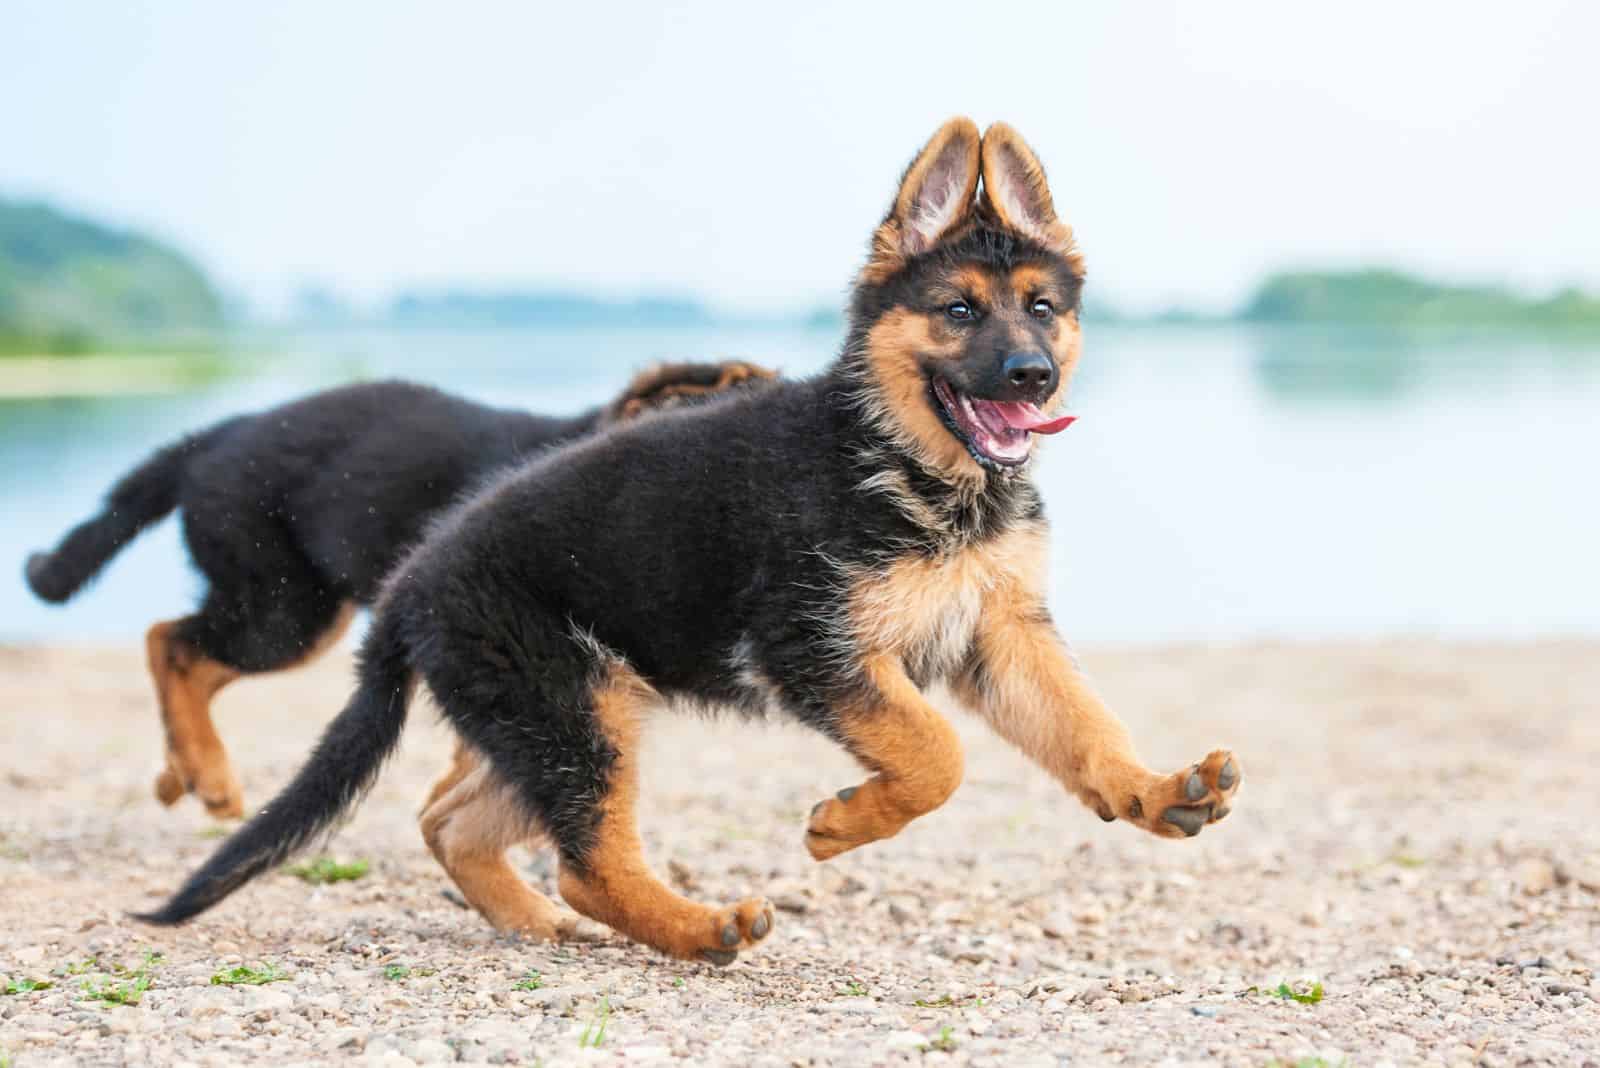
(144,495)
(341,769)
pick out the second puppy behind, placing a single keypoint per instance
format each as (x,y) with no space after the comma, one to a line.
(294,516)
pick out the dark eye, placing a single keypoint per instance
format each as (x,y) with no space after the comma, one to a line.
(1042,309)
(960,311)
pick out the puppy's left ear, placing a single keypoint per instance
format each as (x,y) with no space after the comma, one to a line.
(1015,192)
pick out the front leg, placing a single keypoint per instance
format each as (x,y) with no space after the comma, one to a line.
(913,752)
(1021,679)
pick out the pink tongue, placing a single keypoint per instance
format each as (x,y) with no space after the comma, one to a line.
(1028,417)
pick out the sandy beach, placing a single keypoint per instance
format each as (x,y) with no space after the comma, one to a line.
(1416,834)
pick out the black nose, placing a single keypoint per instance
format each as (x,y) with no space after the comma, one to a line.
(1030,373)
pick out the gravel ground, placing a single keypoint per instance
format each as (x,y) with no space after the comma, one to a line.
(1416,833)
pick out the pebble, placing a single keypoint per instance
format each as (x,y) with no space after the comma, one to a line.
(1535,875)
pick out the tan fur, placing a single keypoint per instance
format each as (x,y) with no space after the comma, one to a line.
(925,609)
(658,387)
(186,682)
(976,285)
(1015,190)
(615,885)
(463,762)
(1025,685)
(898,237)
(896,346)
(196,758)
(469,821)
(914,753)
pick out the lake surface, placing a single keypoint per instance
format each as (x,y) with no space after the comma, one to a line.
(1222,482)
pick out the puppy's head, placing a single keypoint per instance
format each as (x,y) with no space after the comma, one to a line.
(965,318)
(669,385)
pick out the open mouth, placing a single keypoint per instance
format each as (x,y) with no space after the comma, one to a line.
(995,432)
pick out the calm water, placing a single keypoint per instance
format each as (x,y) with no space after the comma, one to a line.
(1221,482)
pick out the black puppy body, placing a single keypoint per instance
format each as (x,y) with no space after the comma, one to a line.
(295,514)
(825,547)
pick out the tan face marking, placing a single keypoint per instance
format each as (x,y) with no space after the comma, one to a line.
(895,347)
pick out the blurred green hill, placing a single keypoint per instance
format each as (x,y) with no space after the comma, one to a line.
(69,285)
(1393,298)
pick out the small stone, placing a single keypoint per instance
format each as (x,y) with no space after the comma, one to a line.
(682,876)
(265,1000)
(908,1040)
(1535,875)
(212,1004)
(851,1006)
(646,1053)
(432,1051)
(1208,1011)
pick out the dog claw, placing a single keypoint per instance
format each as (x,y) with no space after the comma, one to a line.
(1220,812)
(730,935)
(1187,820)
(1227,776)
(1195,788)
(847,793)
(762,925)
(720,957)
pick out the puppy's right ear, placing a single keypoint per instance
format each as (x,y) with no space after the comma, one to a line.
(936,196)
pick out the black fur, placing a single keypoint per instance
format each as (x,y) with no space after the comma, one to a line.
(143,496)
(709,550)
(295,510)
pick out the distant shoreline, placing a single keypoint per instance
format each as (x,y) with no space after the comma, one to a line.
(109,374)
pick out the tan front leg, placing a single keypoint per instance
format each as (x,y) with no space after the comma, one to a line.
(912,750)
(1023,682)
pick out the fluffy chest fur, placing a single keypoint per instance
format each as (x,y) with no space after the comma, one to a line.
(924,609)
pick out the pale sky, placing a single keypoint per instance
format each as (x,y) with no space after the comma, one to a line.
(743,155)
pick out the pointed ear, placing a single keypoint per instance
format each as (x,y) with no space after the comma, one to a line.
(936,196)
(1015,191)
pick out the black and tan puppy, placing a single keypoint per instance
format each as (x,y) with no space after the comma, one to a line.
(295,515)
(827,547)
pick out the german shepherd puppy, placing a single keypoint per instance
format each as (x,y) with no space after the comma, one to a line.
(294,515)
(828,547)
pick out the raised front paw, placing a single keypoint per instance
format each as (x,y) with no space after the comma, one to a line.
(1181,804)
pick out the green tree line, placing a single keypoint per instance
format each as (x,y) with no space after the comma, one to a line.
(69,285)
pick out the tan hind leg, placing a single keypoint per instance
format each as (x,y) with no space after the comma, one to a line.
(469,822)
(614,885)
(197,761)
(186,681)
(463,762)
